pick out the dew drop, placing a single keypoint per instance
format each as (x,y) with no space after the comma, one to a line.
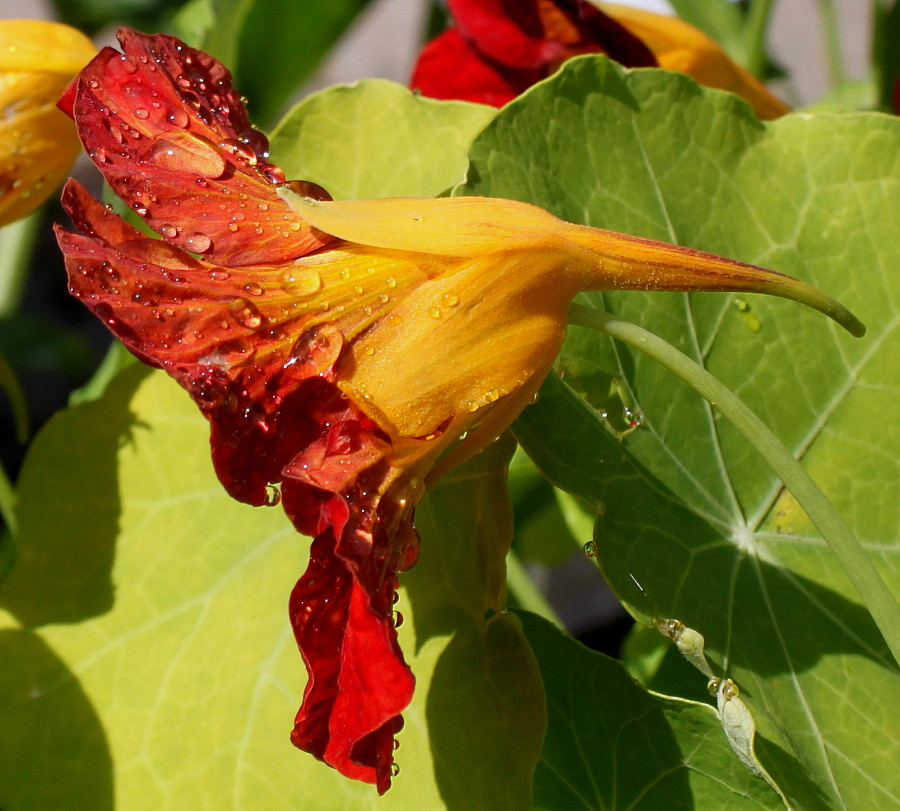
(141,113)
(168,231)
(197,242)
(398,619)
(434,312)
(273,494)
(408,542)
(395,770)
(451,299)
(236,349)
(177,117)
(590,549)
(245,313)
(184,151)
(391,282)
(253,289)
(301,282)
(219,275)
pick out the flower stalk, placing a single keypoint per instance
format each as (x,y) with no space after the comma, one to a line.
(843,543)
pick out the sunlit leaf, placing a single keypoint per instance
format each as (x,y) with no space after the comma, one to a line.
(377,139)
(152,612)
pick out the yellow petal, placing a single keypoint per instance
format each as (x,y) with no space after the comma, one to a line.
(457,226)
(681,47)
(38,142)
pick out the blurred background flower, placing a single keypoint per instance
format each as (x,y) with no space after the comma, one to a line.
(38,144)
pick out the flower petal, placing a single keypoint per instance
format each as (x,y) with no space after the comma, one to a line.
(37,143)
(171,136)
(679,46)
(506,31)
(341,609)
(449,67)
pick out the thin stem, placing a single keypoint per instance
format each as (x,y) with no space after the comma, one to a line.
(16,245)
(757,27)
(525,593)
(7,507)
(831,36)
(864,576)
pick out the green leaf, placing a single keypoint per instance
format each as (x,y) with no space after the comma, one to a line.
(377,139)
(156,663)
(694,527)
(610,744)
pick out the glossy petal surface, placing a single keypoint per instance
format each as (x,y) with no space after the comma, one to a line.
(171,136)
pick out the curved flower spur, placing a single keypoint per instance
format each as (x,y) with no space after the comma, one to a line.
(340,350)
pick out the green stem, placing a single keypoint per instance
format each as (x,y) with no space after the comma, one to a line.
(864,576)
(524,592)
(757,27)
(16,245)
(831,37)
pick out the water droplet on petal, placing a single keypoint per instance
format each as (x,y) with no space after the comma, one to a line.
(306,188)
(253,289)
(141,113)
(408,542)
(273,494)
(301,282)
(590,549)
(395,770)
(245,313)
(434,312)
(184,151)
(168,231)
(398,619)
(178,117)
(197,243)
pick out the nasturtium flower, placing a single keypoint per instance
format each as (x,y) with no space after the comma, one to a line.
(37,142)
(498,48)
(344,353)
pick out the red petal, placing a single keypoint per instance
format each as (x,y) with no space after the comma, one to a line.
(170,134)
(341,613)
(449,68)
(507,31)
(215,331)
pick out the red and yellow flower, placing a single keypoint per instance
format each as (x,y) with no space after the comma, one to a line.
(344,352)
(498,48)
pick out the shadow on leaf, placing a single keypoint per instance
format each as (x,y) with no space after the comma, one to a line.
(66,543)
(52,745)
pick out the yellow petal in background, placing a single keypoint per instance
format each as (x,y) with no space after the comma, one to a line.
(681,47)
(38,143)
